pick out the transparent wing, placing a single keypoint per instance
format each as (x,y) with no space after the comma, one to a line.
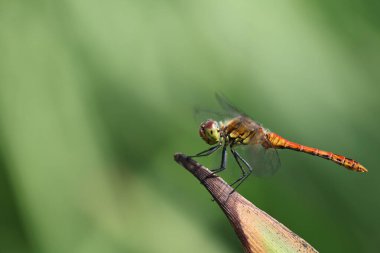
(227,106)
(201,115)
(227,111)
(230,109)
(262,157)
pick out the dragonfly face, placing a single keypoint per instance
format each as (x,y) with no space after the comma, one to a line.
(210,131)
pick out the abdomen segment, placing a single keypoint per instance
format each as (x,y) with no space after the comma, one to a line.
(282,143)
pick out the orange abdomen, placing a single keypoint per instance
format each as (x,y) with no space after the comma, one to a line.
(282,143)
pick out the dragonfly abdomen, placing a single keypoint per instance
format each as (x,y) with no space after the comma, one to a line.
(282,143)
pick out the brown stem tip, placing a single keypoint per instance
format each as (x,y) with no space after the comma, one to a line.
(257,230)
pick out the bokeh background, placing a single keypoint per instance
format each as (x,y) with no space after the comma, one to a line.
(97,96)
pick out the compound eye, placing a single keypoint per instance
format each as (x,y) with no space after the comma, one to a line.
(212,132)
(209,131)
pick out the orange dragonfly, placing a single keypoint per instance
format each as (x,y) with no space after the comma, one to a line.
(242,131)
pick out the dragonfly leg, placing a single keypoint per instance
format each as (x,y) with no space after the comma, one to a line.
(240,166)
(223,162)
(208,151)
(243,178)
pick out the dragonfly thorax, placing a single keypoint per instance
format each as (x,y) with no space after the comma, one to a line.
(209,131)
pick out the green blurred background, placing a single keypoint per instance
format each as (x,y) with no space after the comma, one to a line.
(97,96)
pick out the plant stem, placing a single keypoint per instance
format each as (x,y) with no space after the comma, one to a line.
(257,230)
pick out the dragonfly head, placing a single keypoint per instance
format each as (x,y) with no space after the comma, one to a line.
(210,131)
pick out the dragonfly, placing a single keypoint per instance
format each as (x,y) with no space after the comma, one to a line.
(240,130)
